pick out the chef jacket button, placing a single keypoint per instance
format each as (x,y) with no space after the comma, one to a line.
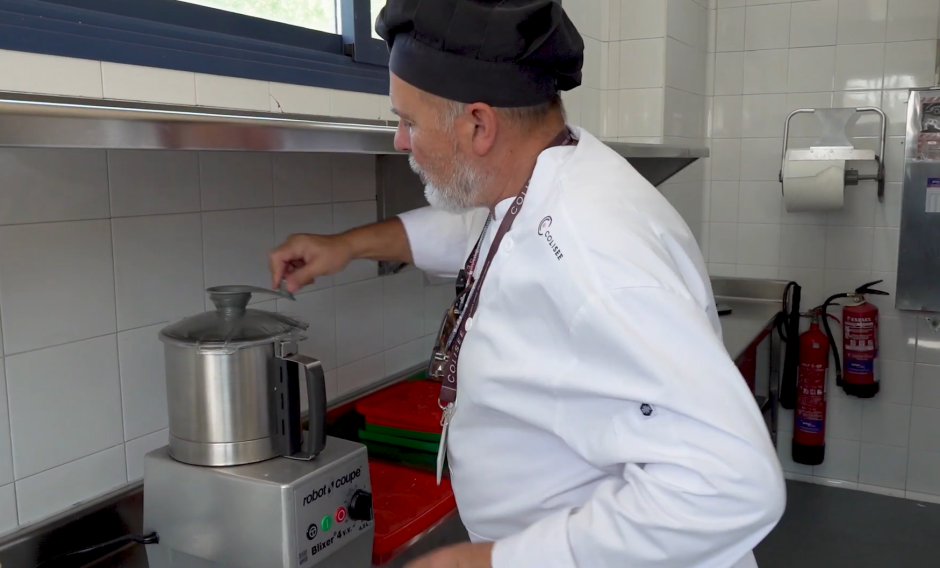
(469,324)
(507,245)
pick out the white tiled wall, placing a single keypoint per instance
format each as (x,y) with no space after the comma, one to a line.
(650,79)
(658,77)
(639,68)
(646,79)
(99,250)
(765,59)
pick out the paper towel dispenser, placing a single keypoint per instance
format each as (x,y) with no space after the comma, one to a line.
(826,157)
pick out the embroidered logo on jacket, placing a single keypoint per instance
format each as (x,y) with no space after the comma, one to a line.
(545,224)
(543,231)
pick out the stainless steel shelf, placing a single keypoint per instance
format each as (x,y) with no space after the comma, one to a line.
(658,151)
(39,121)
(36,121)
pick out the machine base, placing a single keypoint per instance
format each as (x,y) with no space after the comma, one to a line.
(279,513)
(356,555)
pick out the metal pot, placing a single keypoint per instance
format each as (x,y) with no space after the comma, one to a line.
(233,384)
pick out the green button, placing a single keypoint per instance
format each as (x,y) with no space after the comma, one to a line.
(326,523)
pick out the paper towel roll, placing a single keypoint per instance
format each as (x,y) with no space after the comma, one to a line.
(813,185)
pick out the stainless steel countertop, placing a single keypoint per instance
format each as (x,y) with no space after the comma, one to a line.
(754,303)
(745,322)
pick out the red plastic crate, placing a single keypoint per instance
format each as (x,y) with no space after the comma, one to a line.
(747,361)
(405,502)
(411,405)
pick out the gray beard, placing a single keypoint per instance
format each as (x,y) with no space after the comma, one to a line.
(460,193)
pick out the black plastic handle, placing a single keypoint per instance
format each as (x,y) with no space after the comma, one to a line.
(867,289)
(789,331)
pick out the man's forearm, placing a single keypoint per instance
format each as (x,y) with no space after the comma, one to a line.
(385,240)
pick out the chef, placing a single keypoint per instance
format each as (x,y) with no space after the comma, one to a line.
(593,417)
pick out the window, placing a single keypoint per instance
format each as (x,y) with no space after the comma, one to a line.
(311,14)
(321,43)
(377,5)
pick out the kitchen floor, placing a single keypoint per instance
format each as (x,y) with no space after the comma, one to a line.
(825,527)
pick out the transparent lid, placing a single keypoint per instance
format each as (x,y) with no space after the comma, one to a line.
(233,325)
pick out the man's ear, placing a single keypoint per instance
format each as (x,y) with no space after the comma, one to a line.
(485,124)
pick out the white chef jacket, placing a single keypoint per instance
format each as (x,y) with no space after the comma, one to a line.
(600,422)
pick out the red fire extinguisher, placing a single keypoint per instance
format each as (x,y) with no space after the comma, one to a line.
(809,414)
(858,374)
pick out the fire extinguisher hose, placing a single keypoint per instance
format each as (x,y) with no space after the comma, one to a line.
(837,359)
(788,327)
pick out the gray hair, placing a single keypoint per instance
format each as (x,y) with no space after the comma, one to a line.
(524,117)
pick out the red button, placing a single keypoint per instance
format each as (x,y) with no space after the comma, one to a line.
(340,515)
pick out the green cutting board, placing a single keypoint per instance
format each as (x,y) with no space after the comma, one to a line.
(402,433)
(431,447)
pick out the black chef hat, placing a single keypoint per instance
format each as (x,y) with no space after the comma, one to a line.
(508,53)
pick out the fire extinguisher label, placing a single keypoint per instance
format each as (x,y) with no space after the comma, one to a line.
(810,426)
(860,348)
(810,414)
(859,366)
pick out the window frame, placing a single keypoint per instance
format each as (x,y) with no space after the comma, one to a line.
(357,32)
(172,34)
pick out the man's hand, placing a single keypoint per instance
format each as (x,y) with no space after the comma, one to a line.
(302,258)
(457,556)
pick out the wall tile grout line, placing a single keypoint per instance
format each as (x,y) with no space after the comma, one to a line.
(910,420)
(117,347)
(109,218)
(114,333)
(202,230)
(10,434)
(109,448)
(273,192)
(101,75)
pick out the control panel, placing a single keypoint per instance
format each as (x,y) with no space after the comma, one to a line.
(332,509)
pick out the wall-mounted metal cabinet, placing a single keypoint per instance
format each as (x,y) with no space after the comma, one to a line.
(918,280)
